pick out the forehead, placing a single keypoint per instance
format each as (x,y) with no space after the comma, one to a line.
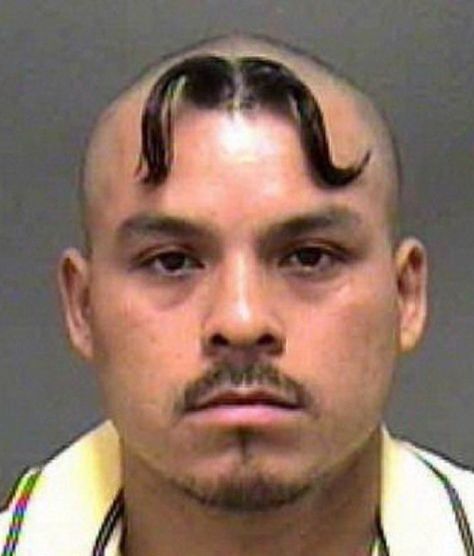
(113,183)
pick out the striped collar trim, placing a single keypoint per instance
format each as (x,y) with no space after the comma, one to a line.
(25,490)
(75,499)
(110,534)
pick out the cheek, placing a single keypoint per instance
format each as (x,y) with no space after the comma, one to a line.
(143,355)
(349,346)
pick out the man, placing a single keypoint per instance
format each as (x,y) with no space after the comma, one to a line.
(244,295)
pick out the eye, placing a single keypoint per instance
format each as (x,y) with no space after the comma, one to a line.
(310,259)
(172,263)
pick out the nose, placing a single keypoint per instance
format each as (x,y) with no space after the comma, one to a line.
(240,327)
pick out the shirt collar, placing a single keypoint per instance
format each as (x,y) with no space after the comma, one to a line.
(76,491)
(417,515)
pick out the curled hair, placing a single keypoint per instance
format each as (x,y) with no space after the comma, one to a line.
(244,84)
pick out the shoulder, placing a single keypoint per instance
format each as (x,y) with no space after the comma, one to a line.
(57,495)
(427,501)
(450,472)
(408,459)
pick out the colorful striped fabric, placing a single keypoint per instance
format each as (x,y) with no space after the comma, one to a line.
(25,489)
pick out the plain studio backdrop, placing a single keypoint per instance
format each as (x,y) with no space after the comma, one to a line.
(62,62)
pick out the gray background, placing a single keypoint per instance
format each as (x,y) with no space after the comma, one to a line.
(61,62)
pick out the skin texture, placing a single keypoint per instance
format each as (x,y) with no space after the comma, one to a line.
(331,307)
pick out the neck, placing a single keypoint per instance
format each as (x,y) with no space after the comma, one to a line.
(337,518)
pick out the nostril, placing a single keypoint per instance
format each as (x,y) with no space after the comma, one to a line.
(265,343)
(271,344)
(218,340)
(266,340)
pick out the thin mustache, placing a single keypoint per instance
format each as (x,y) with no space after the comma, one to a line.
(227,376)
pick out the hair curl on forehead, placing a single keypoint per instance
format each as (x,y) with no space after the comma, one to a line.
(241,84)
(244,73)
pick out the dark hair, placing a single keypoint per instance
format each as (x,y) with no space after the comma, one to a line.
(246,83)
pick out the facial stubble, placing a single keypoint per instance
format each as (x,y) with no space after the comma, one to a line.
(247,485)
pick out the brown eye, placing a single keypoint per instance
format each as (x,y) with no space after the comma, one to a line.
(309,259)
(308,256)
(172,263)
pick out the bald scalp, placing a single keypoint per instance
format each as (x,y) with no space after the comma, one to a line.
(116,135)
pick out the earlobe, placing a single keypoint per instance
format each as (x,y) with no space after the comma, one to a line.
(411,264)
(73,279)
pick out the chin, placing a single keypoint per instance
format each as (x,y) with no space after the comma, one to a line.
(245,484)
(242,492)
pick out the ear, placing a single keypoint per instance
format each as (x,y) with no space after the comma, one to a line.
(412,271)
(74,287)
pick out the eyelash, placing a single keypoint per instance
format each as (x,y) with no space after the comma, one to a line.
(326,256)
(149,262)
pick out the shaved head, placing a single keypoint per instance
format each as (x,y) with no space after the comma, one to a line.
(240,205)
(137,127)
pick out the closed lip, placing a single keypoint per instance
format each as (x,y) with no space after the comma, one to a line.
(247,396)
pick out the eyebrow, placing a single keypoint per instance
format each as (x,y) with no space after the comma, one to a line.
(152,225)
(333,218)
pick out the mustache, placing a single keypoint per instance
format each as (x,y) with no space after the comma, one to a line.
(226,376)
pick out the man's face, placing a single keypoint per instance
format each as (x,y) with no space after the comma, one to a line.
(240,260)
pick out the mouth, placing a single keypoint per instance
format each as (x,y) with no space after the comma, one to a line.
(245,406)
(247,396)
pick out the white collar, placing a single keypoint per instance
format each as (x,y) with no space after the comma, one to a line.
(77,488)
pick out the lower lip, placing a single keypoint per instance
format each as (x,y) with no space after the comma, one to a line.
(244,415)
